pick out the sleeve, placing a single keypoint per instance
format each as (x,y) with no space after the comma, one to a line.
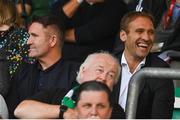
(163,102)
(3,108)
(173,42)
(4,74)
(12,98)
(43,96)
(104,26)
(53,96)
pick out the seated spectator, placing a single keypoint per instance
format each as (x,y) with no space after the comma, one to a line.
(97,66)
(171,15)
(166,31)
(13,40)
(170,33)
(171,47)
(156,97)
(3,108)
(94,101)
(154,7)
(173,41)
(49,71)
(91,25)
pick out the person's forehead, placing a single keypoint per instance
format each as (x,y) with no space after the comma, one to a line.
(103,60)
(109,67)
(141,22)
(36,24)
(104,63)
(85,95)
(38,28)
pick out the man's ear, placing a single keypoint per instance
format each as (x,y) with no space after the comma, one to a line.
(53,40)
(123,35)
(82,70)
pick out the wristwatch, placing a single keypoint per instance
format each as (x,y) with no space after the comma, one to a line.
(63,109)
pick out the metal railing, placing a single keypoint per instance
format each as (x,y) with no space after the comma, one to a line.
(136,81)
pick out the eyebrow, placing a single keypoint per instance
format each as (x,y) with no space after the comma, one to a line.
(101,104)
(142,29)
(100,66)
(33,34)
(103,68)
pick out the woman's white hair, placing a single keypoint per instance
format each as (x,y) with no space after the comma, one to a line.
(92,57)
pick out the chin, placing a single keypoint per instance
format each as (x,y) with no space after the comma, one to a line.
(142,55)
(94,117)
(32,55)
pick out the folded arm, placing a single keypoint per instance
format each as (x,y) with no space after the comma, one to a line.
(35,109)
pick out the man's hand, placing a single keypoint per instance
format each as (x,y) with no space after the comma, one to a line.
(70,114)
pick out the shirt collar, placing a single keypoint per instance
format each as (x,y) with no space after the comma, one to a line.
(51,67)
(124,62)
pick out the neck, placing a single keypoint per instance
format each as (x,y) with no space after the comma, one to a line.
(47,62)
(132,62)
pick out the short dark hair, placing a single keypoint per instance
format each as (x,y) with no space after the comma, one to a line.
(50,20)
(94,86)
(129,17)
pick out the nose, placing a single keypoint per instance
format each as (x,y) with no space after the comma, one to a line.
(94,111)
(146,36)
(102,77)
(29,42)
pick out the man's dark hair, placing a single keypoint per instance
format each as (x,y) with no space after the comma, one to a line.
(131,16)
(50,20)
(94,86)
